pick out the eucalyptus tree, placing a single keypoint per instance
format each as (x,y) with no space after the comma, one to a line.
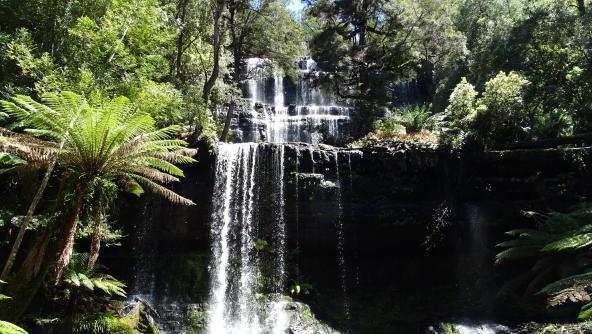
(107,147)
(368,46)
(263,29)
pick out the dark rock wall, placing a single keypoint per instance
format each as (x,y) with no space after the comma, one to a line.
(419,231)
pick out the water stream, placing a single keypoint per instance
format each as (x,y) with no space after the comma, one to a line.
(249,197)
(238,202)
(312,116)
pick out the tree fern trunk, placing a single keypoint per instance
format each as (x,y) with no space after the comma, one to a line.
(31,210)
(95,245)
(65,238)
(23,286)
(28,218)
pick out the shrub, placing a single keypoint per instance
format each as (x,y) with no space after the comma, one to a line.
(501,116)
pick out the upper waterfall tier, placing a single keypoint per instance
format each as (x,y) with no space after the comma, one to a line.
(283,110)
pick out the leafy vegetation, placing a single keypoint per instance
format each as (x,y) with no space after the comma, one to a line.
(529,61)
(106,96)
(559,250)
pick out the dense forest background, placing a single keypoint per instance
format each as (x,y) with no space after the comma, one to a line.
(180,61)
(126,86)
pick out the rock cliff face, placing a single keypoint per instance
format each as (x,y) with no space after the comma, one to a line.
(380,240)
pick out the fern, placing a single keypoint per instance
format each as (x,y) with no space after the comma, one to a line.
(560,248)
(8,328)
(107,141)
(103,324)
(77,275)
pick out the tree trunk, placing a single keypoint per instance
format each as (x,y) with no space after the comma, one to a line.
(95,243)
(32,264)
(65,238)
(181,13)
(217,43)
(31,210)
(582,7)
(30,277)
(229,115)
(125,30)
(28,218)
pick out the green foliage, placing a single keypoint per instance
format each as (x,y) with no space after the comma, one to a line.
(161,101)
(498,116)
(300,288)
(107,142)
(271,33)
(462,107)
(78,276)
(365,48)
(196,319)
(10,161)
(8,328)
(559,249)
(103,324)
(390,126)
(261,245)
(501,116)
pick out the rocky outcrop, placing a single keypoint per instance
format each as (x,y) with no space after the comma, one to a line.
(419,229)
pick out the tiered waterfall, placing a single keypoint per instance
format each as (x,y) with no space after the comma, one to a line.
(249,197)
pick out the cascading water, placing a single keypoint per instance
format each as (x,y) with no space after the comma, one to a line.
(341,239)
(233,306)
(310,116)
(248,207)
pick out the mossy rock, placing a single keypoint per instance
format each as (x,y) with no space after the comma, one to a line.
(105,324)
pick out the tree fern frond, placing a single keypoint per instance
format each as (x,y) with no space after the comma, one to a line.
(585,312)
(168,194)
(154,174)
(517,253)
(570,243)
(9,328)
(574,294)
(583,279)
(164,166)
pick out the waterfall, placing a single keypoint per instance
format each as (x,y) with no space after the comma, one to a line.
(248,206)
(280,223)
(313,118)
(256,80)
(233,306)
(341,239)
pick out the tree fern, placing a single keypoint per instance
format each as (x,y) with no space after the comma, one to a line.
(560,250)
(106,142)
(78,275)
(8,328)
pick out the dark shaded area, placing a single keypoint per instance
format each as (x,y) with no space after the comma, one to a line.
(419,233)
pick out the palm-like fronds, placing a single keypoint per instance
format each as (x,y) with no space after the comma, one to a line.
(108,141)
(9,328)
(51,119)
(77,275)
(560,250)
(27,147)
(113,144)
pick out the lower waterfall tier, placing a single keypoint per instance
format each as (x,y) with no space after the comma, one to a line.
(419,229)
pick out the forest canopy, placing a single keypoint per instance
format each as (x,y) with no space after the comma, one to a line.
(102,99)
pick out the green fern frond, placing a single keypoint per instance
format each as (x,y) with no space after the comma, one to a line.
(582,279)
(570,243)
(8,328)
(585,312)
(517,253)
